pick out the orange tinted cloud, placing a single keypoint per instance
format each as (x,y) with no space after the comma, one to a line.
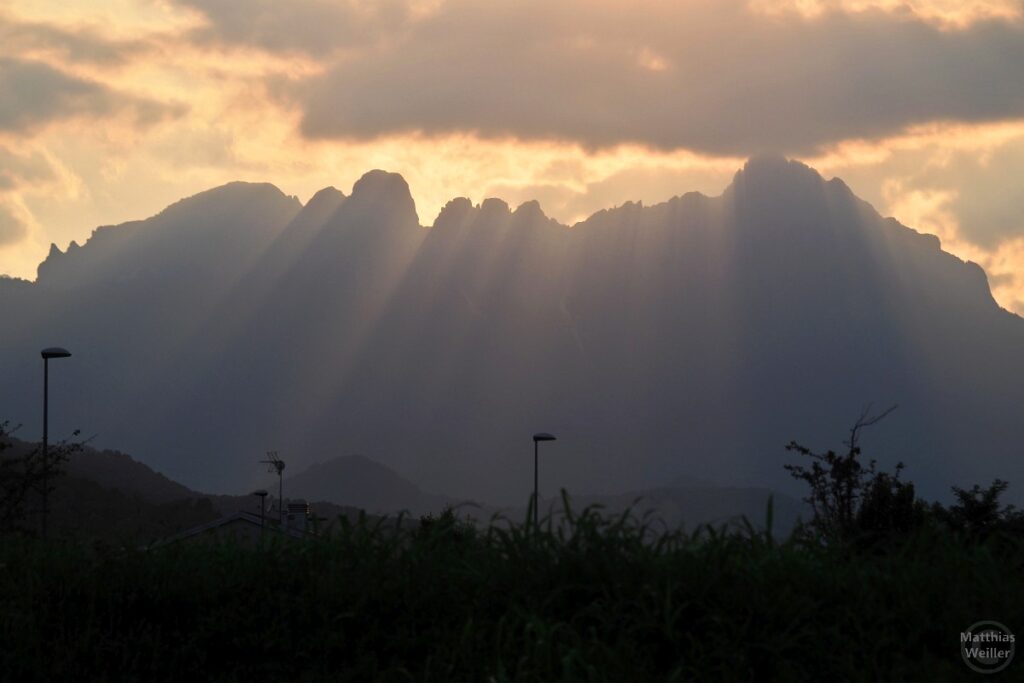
(35,94)
(710,76)
(918,105)
(950,14)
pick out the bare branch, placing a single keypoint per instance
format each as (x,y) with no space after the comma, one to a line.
(866,419)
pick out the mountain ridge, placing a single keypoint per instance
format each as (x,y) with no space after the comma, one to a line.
(696,335)
(376,186)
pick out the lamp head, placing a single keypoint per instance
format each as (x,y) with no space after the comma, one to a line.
(54,352)
(543,436)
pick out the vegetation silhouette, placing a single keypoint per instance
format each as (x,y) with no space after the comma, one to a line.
(979,514)
(596,597)
(873,588)
(857,503)
(131,505)
(28,478)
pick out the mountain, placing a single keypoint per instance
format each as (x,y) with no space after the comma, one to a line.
(108,496)
(363,483)
(695,337)
(109,469)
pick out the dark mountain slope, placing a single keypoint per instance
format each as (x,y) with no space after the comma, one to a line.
(697,336)
(363,483)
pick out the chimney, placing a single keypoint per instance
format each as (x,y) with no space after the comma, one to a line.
(297,516)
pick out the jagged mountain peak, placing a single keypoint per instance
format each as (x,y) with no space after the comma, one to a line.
(775,168)
(496,207)
(530,210)
(320,207)
(232,196)
(379,187)
(329,194)
(695,335)
(379,199)
(214,230)
(455,214)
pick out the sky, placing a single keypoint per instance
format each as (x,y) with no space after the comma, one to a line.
(112,109)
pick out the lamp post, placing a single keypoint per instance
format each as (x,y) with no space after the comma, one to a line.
(47,354)
(537,438)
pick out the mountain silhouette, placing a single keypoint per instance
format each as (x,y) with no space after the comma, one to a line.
(363,483)
(694,337)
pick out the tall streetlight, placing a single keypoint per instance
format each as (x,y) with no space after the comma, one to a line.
(47,354)
(537,438)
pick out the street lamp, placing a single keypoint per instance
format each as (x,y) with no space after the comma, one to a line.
(537,438)
(47,354)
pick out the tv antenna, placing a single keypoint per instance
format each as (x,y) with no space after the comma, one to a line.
(275,464)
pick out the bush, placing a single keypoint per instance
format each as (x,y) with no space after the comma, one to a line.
(852,501)
(595,598)
(978,513)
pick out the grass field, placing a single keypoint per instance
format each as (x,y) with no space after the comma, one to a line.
(598,599)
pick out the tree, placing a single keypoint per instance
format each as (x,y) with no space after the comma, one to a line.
(25,476)
(852,500)
(978,512)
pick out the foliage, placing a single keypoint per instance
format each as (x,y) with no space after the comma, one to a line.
(978,513)
(29,477)
(588,598)
(855,503)
(851,500)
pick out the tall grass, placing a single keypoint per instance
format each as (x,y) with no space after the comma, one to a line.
(586,598)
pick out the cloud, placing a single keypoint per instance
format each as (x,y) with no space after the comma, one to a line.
(518,99)
(975,169)
(932,211)
(23,169)
(652,183)
(82,45)
(33,94)
(12,228)
(714,77)
(315,27)
(989,205)
(946,13)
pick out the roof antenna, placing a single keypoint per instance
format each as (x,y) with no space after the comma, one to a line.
(277,465)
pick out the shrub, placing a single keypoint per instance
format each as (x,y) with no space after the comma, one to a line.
(853,501)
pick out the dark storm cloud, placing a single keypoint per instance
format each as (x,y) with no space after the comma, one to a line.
(33,94)
(710,76)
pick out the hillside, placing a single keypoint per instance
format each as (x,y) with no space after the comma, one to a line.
(360,482)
